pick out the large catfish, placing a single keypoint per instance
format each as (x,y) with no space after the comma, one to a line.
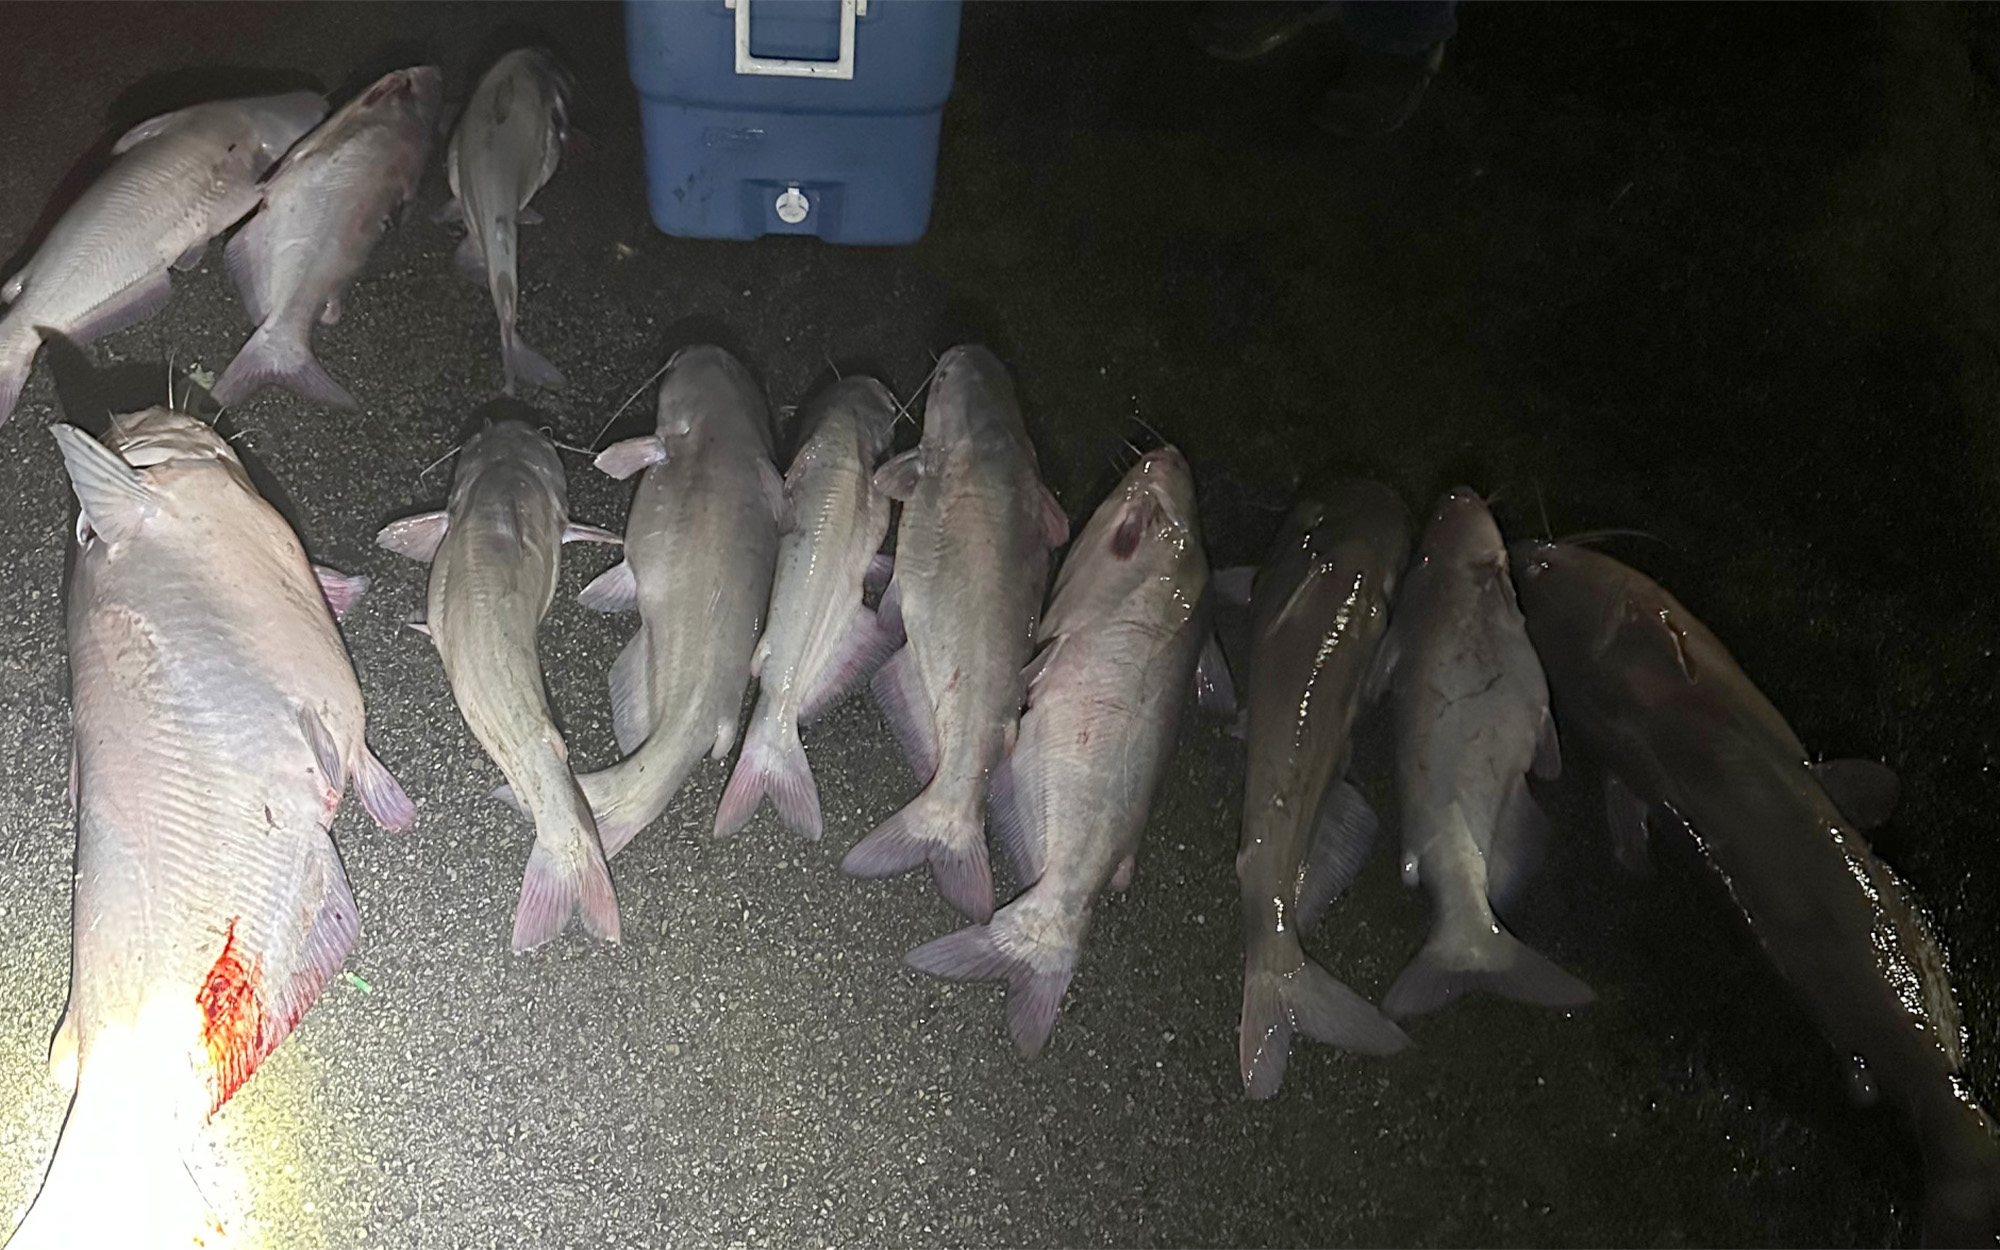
(820,639)
(217,724)
(1319,608)
(972,559)
(701,542)
(1472,717)
(495,553)
(1652,693)
(505,149)
(1119,647)
(178,180)
(325,205)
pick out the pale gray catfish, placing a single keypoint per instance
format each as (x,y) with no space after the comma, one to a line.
(1105,694)
(1652,693)
(325,205)
(701,542)
(217,724)
(820,639)
(1472,717)
(176,182)
(972,556)
(1318,612)
(495,554)
(505,149)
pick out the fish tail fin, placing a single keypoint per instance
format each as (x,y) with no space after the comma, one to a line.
(16,359)
(773,762)
(106,1135)
(566,873)
(1480,957)
(1015,948)
(1306,999)
(279,359)
(938,829)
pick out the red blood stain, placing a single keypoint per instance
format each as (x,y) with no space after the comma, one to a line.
(233,1023)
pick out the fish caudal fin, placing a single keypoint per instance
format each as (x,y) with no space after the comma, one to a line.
(773,762)
(933,829)
(1014,948)
(1480,958)
(560,882)
(1307,1000)
(270,359)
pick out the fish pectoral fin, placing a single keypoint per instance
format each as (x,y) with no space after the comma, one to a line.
(325,753)
(528,216)
(151,128)
(416,536)
(63,1052)
(342,591)
(899,475)
(1521,838)
(622,459)
(1053,520)
(1343,833)
(616,589)
(1865,791)
(189,259)
(576,532)
(1548,749)
(11,290)
(114,498)
(775,495)
(1625,813)
(1214,688)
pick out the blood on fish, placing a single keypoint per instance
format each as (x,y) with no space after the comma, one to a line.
(233,1024)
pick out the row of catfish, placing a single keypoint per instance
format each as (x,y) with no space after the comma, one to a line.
(218,723)
(318,192)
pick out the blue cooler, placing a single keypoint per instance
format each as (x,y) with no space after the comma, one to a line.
(792,116)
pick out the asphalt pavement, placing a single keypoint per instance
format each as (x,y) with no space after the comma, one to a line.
(1719,274)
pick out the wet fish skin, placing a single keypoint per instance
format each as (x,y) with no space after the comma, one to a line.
(495,554)
(324,206)
(1471,711)
(217,723)
(505,149)
(1657,698)
(701,543)
(1319,609)
(972,553)
(176,181)
(820,639)
(1119,646)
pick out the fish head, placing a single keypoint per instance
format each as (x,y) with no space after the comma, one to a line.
(1463,533)
(708,394)
(514,442)
(971,398)
(1147,530)
(1343,522)
(417,92)
(160,436)
(278,121)
(1584,607)
(872,411)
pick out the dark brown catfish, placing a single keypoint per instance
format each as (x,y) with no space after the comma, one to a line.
(1678,725)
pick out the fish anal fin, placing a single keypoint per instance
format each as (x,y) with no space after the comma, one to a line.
(1343,833)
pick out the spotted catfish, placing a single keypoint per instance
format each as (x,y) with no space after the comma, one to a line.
(217,724)
(1682,730)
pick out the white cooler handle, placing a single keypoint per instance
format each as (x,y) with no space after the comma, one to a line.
(842,68)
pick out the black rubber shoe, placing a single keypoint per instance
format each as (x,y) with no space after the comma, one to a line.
(1378,93)
(1243,30)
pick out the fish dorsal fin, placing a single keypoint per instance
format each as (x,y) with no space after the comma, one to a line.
(151,128)
(898,476)
(113,496)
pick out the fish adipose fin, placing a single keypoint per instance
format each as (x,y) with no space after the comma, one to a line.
(1307,1000)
